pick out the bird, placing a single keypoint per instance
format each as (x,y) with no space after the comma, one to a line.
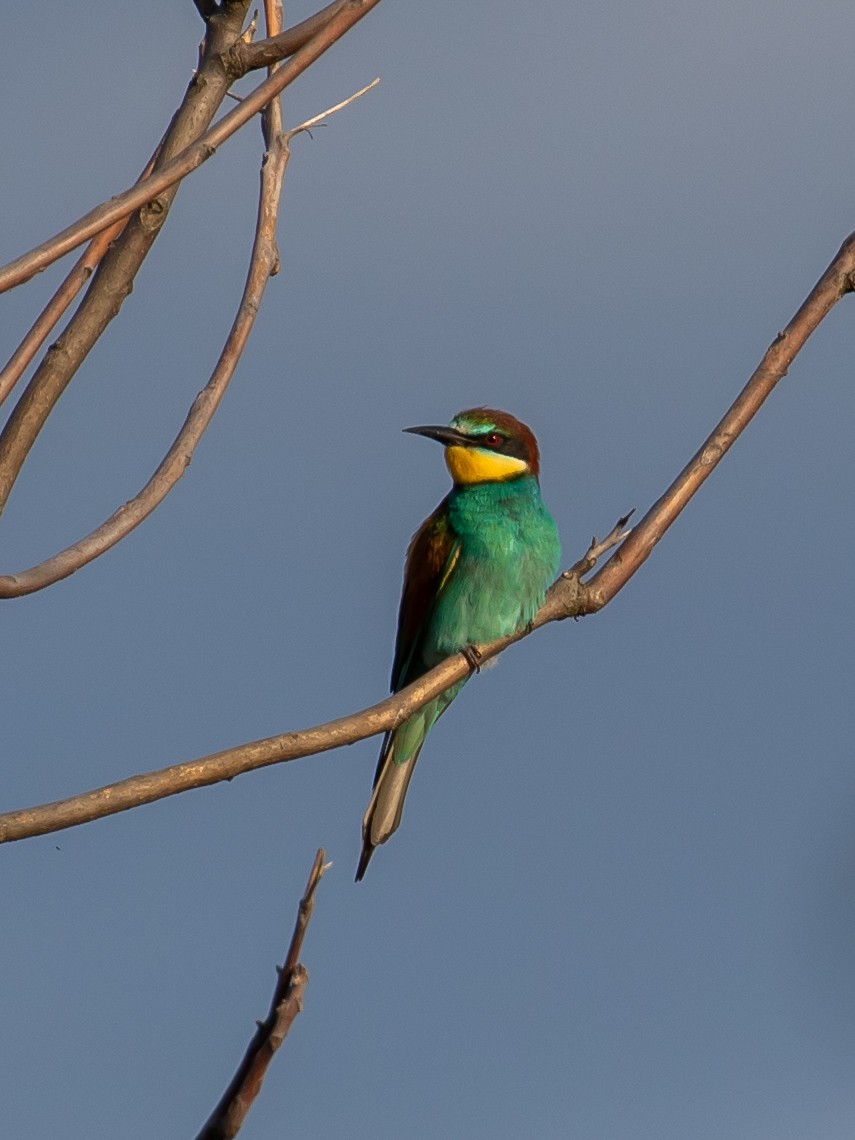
(476,569)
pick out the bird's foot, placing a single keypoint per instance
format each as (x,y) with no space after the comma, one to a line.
(473,656)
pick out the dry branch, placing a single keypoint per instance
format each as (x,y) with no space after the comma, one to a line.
(245,57)
(226,1119)
(114,280)
(74,281)
(264,262)
(834,284)
(568,597)
(180,164)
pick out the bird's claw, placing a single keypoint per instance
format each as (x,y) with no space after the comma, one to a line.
(473,657)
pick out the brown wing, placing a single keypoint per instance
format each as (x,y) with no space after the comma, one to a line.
(432,552)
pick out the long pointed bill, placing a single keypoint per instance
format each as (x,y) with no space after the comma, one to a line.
(445,435)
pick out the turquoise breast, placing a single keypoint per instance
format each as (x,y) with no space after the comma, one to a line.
(509,553)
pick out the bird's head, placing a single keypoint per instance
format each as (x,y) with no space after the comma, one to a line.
(486,446)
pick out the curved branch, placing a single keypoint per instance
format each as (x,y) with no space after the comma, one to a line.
(246,57)
(113,282)
(568,597)
(117,270)
(264,263)
(178,457)
(348,13)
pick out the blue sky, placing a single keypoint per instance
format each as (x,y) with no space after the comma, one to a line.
(622,902)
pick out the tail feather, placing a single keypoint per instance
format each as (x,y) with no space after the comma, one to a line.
(383,814)
(398,757)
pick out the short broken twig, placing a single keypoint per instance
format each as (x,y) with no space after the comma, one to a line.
(226,1119)
(598,548)
(317,120)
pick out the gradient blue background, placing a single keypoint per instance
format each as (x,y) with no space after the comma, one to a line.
(622,904)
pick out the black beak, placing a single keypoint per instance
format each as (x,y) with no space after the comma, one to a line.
(447,436)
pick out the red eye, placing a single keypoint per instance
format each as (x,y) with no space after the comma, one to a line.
(493,439)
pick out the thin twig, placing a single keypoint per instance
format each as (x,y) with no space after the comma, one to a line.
(568,597)
(599,547)
(264,263)
(248,34)
(226,1119)
(317,120)
(15,272)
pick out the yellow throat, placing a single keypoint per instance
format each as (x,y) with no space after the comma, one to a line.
(477,465)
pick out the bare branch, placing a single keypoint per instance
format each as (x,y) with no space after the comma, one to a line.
(177,459)
(836,282)
(568,597)
(113,282)
(115,275)
(225,765)
(116,272)
(273,17)
(250,57)
(264,262)
(114,278)
(348,13)
(317,120)
(271,116)
(76,278)
(226,1119)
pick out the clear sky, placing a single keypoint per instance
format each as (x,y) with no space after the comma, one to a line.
(622,902)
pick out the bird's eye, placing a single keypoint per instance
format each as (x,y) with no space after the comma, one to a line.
(493,439)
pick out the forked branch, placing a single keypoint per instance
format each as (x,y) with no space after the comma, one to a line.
(188,141)
(341,18)
(263,264)
(570,596)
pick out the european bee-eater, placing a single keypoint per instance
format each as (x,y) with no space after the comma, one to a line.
(476,569)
